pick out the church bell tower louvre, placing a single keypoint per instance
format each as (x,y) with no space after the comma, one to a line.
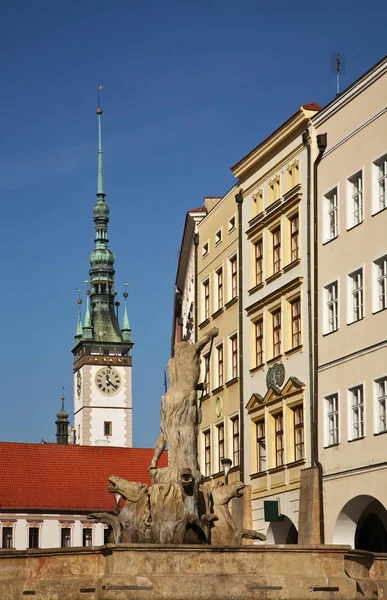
(103,350)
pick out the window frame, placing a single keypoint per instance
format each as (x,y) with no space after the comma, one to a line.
(376,182)
(108,427)
(207,452)
(295,319)
(356,412)
(33,537)
(65,537)
(235,439)
(379,284)
(206,306)
(355,295)
(276,249)
(331,305)
(7,537)
(355,195)
(260,437)
(380,405)
(219,365)
(279,440)
(84,540)
(276,332)
(294,237)
(298,427)
(259,340)
(220,444)
(258,261)
(332,416)
(219,287)
(233,261)
(331,214)
(234,355)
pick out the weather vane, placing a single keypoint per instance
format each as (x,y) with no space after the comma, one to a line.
(99,88)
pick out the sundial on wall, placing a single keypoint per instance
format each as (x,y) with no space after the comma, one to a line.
(275,376)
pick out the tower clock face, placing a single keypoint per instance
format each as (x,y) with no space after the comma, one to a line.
(108,381)
(79,384)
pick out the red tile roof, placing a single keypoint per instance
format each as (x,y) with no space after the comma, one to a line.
(198,209)
(72,478)
(312,106)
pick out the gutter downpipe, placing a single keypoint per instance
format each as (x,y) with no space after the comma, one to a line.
(239,201)
(196,244)
(306,141)
(321,144)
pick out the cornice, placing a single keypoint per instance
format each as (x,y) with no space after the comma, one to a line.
(286,130)
(268,298)
(359,86)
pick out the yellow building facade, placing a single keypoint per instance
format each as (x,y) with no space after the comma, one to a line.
(276,182)
(218,306)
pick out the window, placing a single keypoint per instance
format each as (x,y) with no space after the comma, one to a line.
(206,377)
(231,224)
(107,428)
(331,206)
(234,356)
(79,432)
(7,537)
(294,236)
(219,352)
(279,440)
(357,411)
(234,277)
(381,405)
(205,249)
(356,295)
(331,294)
(276,234)
(259,343)
(206,298)
(33,537)
(332,419)
(261,446)
(274,189)
(258,251)
(381,283)
(356,199)
(218,237)
(296,323)
(381,183)
(65,537)
(276,316)
(298,415)
(207,453)
(235,441)
(220,429)
(87,536)
(219,288)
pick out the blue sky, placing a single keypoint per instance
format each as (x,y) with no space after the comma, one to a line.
(190,88)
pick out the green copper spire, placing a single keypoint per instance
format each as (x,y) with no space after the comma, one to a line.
(87,328)
(100,188)
(78,333)
(126,331)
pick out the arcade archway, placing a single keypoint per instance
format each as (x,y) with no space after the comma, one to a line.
(362,523)
(282,532)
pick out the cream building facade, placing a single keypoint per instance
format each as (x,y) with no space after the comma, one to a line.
(276,182)
(352,343)
(218,306)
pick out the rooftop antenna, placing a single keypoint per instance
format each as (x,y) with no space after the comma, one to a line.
(337,64)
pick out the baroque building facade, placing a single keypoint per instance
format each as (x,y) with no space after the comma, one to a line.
(275,178)
(352,303)
(218,306)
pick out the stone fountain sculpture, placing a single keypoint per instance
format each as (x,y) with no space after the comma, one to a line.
(177,508)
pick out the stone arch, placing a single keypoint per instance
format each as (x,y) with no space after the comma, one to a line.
(362,523)
(282,532)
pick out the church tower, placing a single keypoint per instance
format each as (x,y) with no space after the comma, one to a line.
(103,350)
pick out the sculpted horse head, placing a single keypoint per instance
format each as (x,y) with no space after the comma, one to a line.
(130,490)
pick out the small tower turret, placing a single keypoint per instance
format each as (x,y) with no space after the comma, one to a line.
(62,424)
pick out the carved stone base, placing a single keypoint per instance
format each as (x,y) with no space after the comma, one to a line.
(134,572)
